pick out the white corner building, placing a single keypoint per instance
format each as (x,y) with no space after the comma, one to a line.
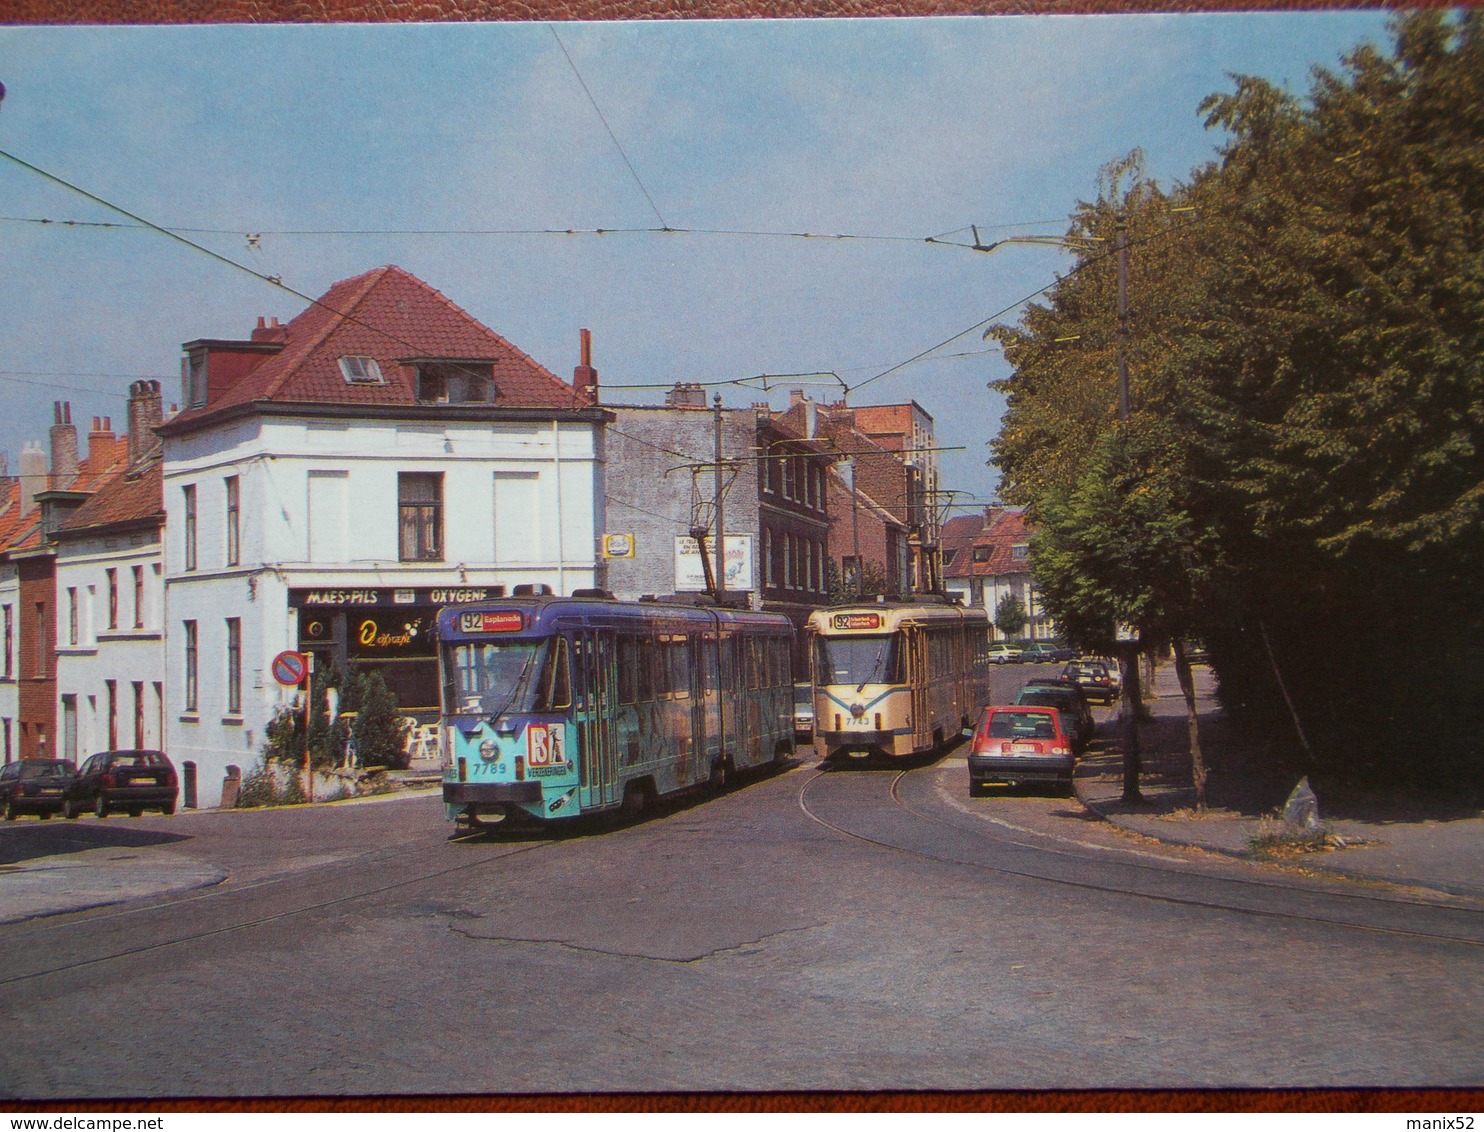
(331,483)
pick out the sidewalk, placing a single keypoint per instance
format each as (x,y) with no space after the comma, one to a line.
(1437,845)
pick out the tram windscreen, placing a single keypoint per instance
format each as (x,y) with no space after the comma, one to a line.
(490,678)
(858,660)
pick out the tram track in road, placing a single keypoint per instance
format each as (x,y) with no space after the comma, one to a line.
(135,930)
(982,847)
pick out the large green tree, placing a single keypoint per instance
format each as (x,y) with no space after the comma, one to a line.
(1301,478)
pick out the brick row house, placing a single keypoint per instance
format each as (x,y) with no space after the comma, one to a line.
(46,616)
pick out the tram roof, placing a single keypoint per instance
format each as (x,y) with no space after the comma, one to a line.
(891,616)
(541,614)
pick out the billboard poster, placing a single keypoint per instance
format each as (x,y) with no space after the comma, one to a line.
(690,576)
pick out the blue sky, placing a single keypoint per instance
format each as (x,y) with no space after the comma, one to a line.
(347,147)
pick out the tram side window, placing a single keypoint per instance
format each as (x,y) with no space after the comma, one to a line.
(677,673)
(556,679)
(628,670)
(647,686)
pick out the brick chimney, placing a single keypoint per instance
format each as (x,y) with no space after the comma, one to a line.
(144,413)
(584,377)
(64,446)
(105,449)
(685,396)
(270,331)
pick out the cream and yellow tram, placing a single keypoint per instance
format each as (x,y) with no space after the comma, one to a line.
(896,679)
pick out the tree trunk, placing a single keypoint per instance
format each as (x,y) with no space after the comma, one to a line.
(1192,722)
(1128,715)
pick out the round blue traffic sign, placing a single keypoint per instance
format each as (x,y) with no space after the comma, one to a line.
(290,668)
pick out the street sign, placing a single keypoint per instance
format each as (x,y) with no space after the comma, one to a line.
(290,668)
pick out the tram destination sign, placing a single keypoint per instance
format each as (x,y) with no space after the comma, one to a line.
(500,621)
(857,621)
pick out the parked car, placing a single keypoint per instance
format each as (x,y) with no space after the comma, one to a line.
(1014,745)
(1002,653)
(1070,700)
(1115,673)
(132,781)
(1037,652)
(803,712)
(1092,676)
(35,786)
(1196,653)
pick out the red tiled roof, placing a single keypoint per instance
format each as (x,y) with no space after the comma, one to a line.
(23,531)
(390,315)
(1001,531)
(131,495)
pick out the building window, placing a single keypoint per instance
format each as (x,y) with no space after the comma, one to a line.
(139,597)
(113,597)
(981,554)
(455,383)
(420,515)
(72,615)
(234,666)
(193,378)
(9,642)
(1020,552)
(361,371)
(113,713)
(190,667)
(767,556)
(138,714)
(188,494)
(42,652)
(9,751)
(233,519)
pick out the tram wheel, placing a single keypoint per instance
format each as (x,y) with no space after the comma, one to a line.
(718,780)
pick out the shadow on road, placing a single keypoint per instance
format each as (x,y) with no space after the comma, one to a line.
(54,838)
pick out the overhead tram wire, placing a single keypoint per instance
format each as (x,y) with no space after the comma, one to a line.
(602,118)
(271,280)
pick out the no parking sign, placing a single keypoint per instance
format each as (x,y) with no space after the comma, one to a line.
(290,668)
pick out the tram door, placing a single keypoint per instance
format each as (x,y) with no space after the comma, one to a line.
(594,705)
(920,676)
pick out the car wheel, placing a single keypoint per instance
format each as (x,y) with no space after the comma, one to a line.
(45,815)
(136,813)
(100,806)
(10,809)
(70,811)
(168,809)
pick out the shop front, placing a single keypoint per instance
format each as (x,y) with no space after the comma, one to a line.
(383,629)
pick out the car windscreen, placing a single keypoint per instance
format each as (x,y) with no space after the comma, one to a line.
(1022,725)
(1043,699)
(47,770)
(138,758)
(858,660)
(490,678)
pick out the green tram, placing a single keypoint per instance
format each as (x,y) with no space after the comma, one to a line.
(557,707)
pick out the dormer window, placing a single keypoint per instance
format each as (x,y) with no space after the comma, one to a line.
(455,383)
(1020,552)
(359,370)
(193,378)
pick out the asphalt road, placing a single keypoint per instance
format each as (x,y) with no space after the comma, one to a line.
(866,928)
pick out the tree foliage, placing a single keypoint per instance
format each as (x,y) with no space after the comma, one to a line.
(1301,479)
(1010,615)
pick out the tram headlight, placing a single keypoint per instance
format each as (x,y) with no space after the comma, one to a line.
(488,750)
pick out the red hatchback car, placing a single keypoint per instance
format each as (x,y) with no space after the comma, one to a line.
(35,786)
(1020,744)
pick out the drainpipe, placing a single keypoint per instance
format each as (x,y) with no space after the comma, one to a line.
(556,460)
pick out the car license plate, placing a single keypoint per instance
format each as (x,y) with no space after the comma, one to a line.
(1024,749)
(50,790)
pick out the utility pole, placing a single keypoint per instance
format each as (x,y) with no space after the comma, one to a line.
(721,527)
(1128,651)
